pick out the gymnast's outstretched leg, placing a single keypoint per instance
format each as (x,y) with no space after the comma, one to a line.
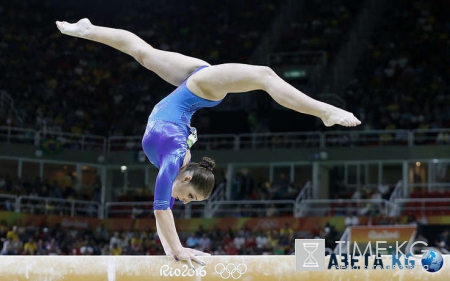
(170,66)
(239,78)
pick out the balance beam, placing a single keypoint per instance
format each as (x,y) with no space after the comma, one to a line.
(134,268)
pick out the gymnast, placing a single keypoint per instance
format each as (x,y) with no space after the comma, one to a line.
(168,135)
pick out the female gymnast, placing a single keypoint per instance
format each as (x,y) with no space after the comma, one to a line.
(199,85)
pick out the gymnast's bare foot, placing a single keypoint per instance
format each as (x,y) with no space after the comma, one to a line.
(79,29)
(337,116)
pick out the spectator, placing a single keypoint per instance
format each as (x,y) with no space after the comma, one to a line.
(41,248)
(383,189)
(271,211)
(9,206)
(287,230)
(8,247)
(3,233)
(52,247)
(30,248)
(239,242)
(105,251)
(2,184)
(115,240)
(86,249)
(443,138)
(125,238)
(137,212)
(250,245)
(358,194)
(200,231)
(230,249)
(262,242)
(228,239)
(192,241)
(351,219)
(274,238)
(13,233)
(101,233)
(116,250)
(136,244)
(204,242)
(219,251)
(443,242)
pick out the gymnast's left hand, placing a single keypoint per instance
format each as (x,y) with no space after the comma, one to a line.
(189,255)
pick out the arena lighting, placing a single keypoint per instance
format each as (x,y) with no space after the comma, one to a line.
(38,153)
(101,158)
(123,168)
(295,74)
(322,155)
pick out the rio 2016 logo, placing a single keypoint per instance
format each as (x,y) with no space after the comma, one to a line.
(230,270)
(185,271)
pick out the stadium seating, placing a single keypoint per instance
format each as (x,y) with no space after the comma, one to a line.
(402,81)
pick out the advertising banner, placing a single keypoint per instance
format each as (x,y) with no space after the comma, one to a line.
(392,236)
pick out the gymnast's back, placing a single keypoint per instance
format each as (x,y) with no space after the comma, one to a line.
(179,106)
(169,122)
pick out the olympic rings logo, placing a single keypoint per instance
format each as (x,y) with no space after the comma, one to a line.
(230,270)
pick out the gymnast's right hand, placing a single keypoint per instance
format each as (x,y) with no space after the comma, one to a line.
(189,255)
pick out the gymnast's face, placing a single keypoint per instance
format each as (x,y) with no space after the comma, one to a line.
(184,191)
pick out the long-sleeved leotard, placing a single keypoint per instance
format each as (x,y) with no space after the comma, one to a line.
(165,138)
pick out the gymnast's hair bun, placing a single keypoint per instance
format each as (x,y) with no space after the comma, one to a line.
(207,163)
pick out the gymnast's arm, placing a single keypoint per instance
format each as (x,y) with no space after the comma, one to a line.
(165,222)
(167,232)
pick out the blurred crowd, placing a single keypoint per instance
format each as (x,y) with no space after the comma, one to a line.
(403,81)
(442,242)
(33,240)
(245,187)
(65,188)
(323,27)
(34,192)
(60,83)
(22,239)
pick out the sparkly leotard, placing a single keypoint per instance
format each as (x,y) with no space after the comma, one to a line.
(165,138)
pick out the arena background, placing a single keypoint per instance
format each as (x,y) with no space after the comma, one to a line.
(73,178)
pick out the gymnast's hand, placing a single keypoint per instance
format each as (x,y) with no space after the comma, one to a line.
(189,255)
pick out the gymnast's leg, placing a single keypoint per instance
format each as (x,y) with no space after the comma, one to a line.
(170,66)
(239,78)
